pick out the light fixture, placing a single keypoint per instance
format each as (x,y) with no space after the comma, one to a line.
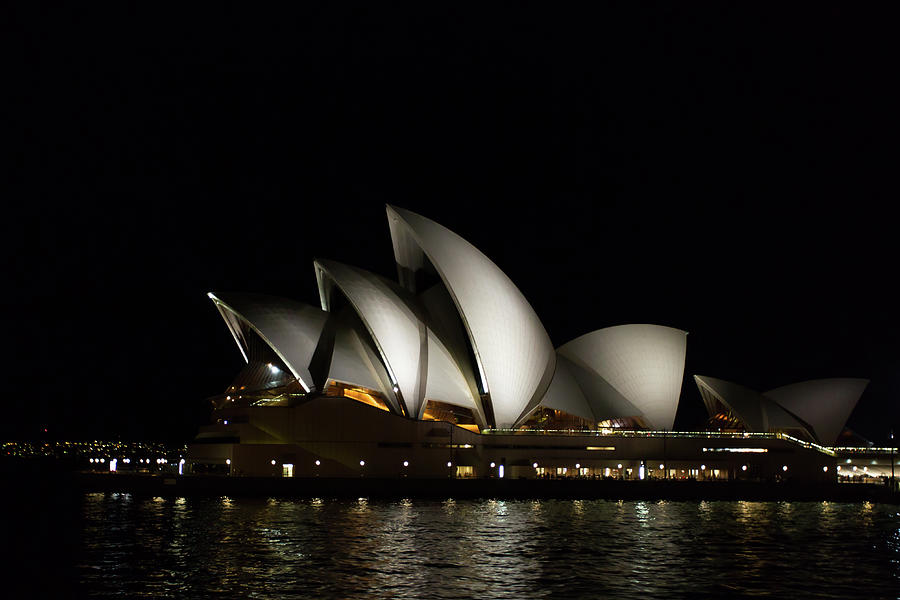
(784,468)
(273,462)
(362,463)
(405,463)
(577,465)
(744,468)
(825,469)
(493,465)
(702,467)
(534,465)
(227,461)
(449,464)
(318,462)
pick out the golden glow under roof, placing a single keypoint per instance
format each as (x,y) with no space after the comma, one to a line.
(366,396)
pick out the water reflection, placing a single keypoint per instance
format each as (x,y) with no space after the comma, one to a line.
(196,547)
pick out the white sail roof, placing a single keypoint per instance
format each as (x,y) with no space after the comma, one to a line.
(445,380)
(825,404)
(643,363)
(513,352)
(398,332)
(565,394)
(757,412)
(291,329)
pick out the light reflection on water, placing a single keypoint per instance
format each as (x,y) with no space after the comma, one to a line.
(327,548)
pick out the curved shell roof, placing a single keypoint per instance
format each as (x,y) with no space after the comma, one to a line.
(565,394)
(398,332)
(512,349)
(825,404)
(757,412)
(291,329)
(642,363)
(417,362)
(445,380)
(350,364)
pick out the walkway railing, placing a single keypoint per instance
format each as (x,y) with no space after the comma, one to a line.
(639,433)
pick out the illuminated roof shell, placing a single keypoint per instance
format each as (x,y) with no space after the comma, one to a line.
(397,331)
(644,364)
(291,329)
(416,361)
(513,352)
(757,412)
(565,394)
(825,404)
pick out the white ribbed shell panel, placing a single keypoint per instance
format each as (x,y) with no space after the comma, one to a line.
(644,363)
(445,381)
(350,364)
(398,333)
(510,343)
(756,411)
(825,404)
(746,404)
(564,393)
(290,328)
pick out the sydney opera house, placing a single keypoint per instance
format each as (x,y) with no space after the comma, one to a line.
(449,372)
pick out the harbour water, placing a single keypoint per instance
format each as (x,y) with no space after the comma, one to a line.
(116,544)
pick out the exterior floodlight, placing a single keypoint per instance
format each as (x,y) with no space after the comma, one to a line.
(405,463)
(449,464)
(619,466)
(577,465)
(273,462)
(493,465)
(534,465)
(227,461)
(702,467)
(362,463)
(318,462)
(784,468)
(744,468)
(825,469)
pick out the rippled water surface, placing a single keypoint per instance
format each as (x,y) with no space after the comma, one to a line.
(234,548)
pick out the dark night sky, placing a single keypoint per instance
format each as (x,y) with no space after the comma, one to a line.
(728,171)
